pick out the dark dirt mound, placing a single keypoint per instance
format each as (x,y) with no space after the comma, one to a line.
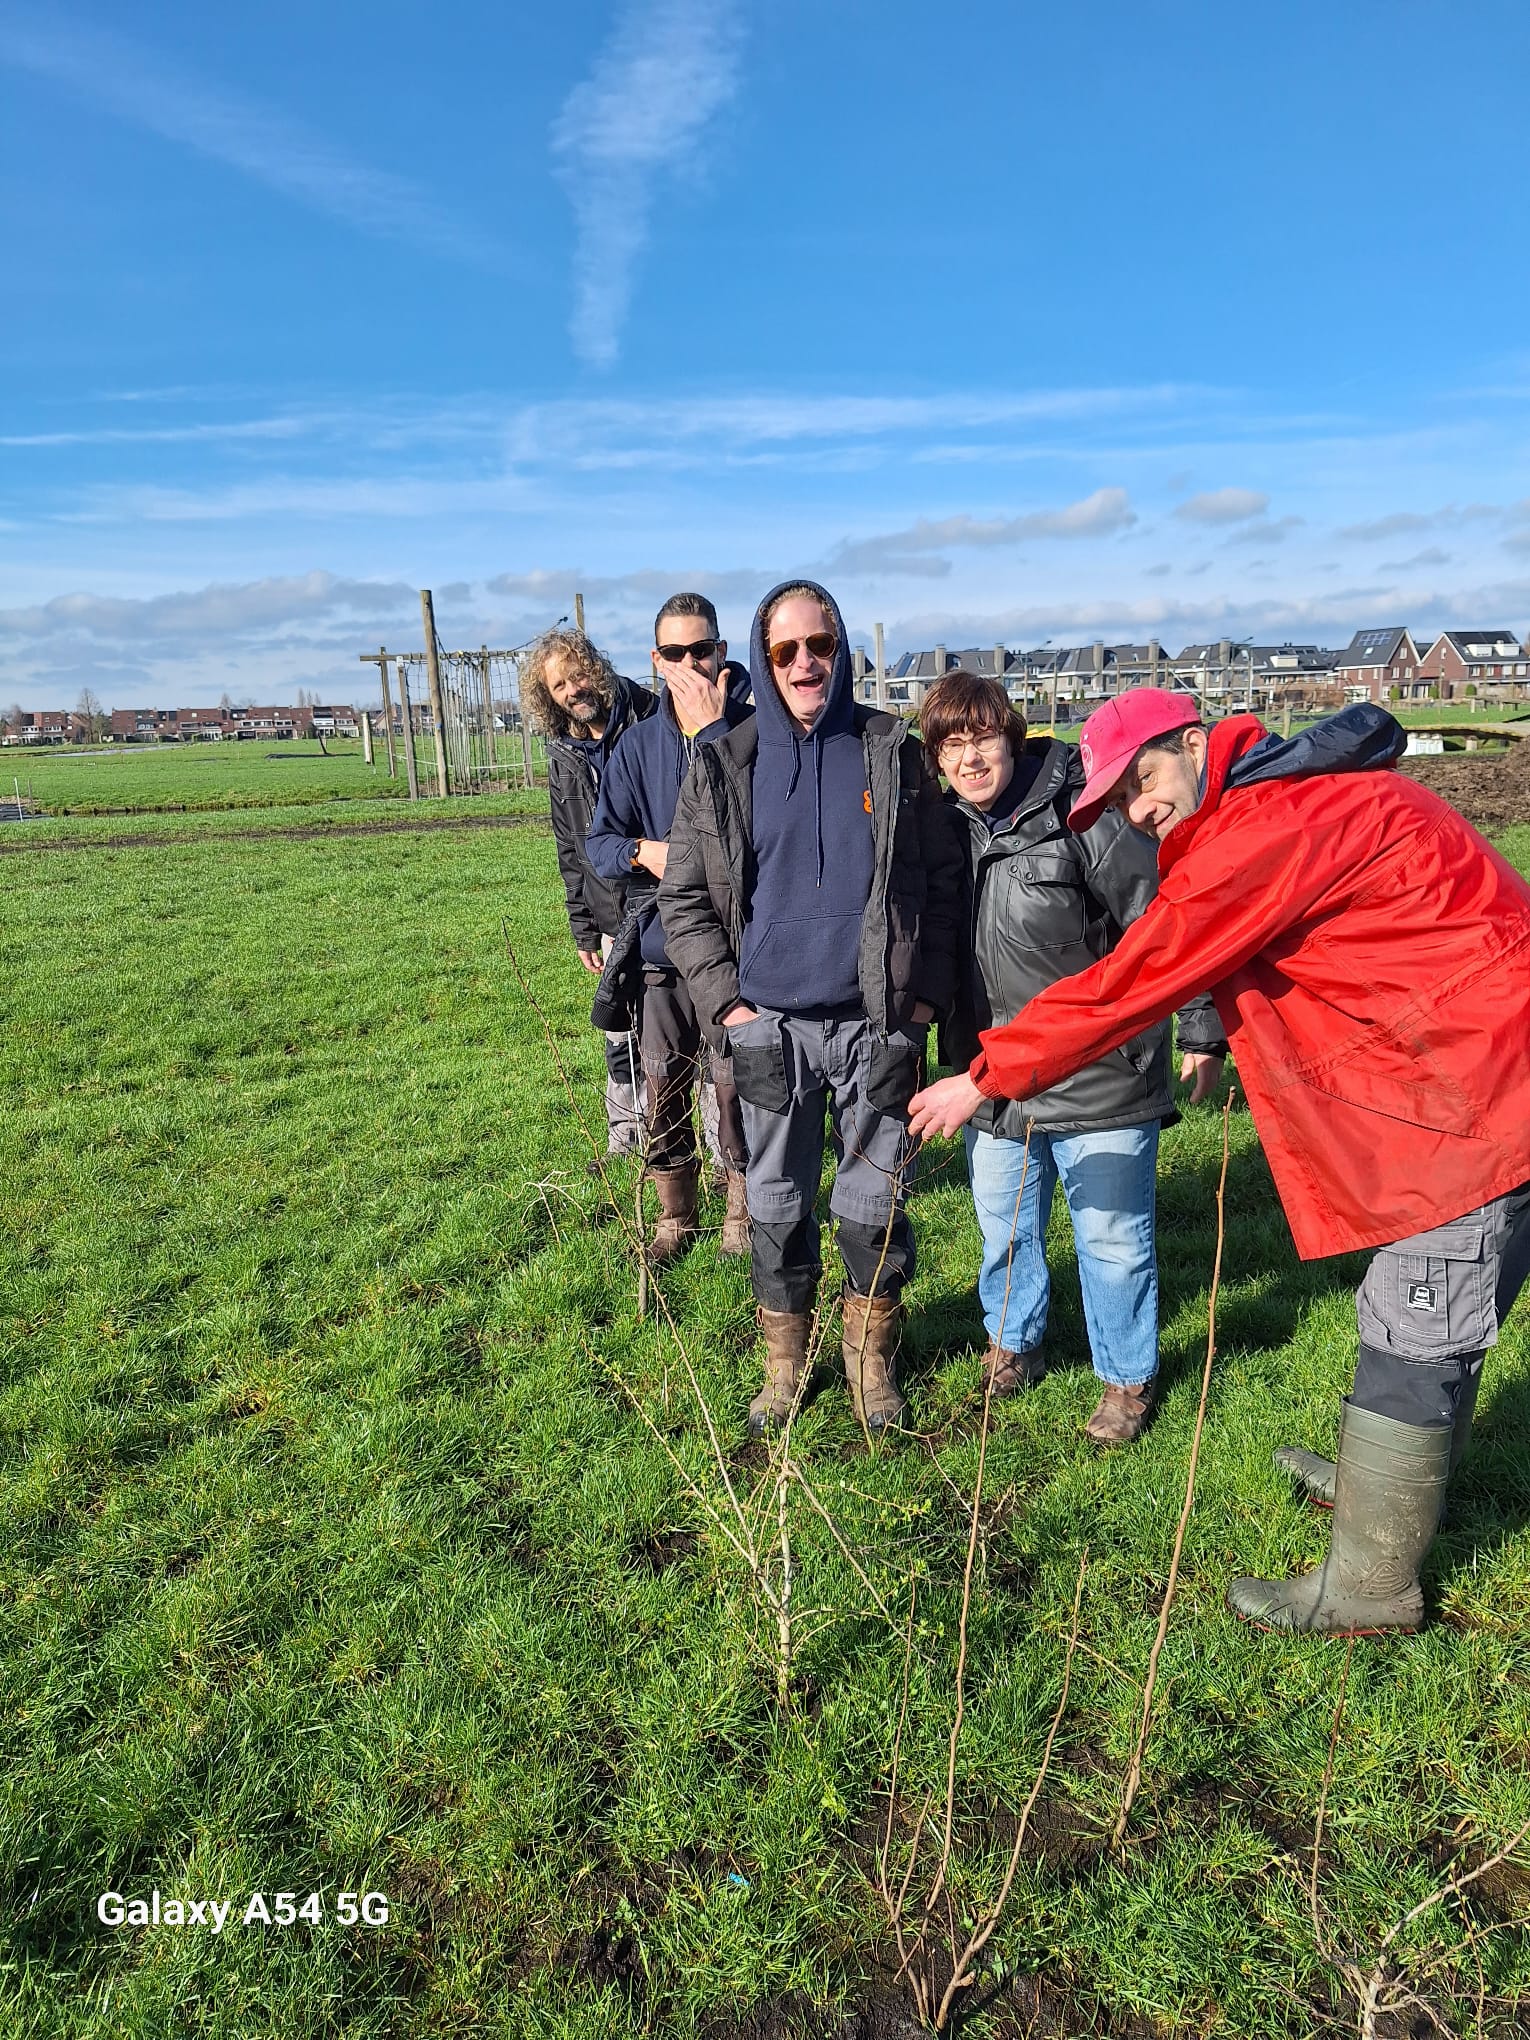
(1492,790)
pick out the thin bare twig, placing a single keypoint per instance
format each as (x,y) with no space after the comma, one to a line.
(849,1556)
(961,1974)
(1370,2005)
(1318,1936)
(1134,1770)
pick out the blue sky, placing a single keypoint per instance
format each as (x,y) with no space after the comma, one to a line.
(1011,321)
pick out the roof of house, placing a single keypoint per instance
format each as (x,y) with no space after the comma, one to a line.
(1374,647)
(1480,644)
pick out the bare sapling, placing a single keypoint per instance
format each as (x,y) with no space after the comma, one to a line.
(1381,1989)
(764,1547)
(1134,1768)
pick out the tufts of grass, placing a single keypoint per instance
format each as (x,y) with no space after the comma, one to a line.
(338,1557)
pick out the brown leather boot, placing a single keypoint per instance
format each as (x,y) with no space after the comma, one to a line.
(873,1326)
(1009,1372)
(1121,1414)
(735,1231)
(677,1202)
(786,1343)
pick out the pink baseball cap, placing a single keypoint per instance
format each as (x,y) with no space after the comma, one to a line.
(1113,736)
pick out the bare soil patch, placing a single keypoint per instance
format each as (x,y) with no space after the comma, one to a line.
(1492,790)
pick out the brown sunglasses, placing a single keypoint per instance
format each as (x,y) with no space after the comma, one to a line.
(820,644)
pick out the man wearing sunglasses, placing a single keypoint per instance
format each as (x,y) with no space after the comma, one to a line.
(704,696)
(809,900)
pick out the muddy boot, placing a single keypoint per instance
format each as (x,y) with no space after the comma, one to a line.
(786,1386)
(677,1202)
(1314,1475)
(735,1231)
(1010,1372)
(1121,1414)
(872,1328)
(1388,1493)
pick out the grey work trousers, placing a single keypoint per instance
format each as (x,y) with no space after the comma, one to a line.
(675,1061)
(1431,1305)
(789,1070)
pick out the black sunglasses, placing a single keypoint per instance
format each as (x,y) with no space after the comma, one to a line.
(820,644)
(702,648)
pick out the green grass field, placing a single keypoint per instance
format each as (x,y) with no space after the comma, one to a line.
(143,778)
(360,1537)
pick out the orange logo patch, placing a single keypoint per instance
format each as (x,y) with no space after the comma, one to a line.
(866,800)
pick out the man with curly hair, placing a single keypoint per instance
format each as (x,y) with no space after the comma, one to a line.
(581,704)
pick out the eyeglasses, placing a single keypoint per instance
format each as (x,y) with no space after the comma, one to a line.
(989,744)
(819,644)
(700,650)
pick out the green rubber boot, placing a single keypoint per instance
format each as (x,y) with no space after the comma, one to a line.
(1314,1475)
(1388,1492)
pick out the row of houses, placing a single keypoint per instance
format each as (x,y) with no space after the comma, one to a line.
(1231,676)
(178,725)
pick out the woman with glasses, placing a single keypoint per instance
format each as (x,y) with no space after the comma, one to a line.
(809,900)
(1041,904)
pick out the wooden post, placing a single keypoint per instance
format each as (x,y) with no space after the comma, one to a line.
(1285,715)
(433,682)
(379,659)
(406,710)
(881,667)
(366,737)
(578,612)
(527,758)
(488,712)
(382,667)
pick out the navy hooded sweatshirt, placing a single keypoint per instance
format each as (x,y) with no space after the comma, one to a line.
(814,856)
(638,792)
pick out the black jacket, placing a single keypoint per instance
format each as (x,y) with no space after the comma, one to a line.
(1042,904)
(907,950)
(595,904)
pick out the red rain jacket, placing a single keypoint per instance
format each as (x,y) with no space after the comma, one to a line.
(1369,955)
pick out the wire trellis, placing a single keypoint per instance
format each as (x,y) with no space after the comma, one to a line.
(480,700)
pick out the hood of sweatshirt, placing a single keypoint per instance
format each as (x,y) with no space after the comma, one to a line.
(776,724)
(813,838)
(778,729)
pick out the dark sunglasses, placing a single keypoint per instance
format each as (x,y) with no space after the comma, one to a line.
(703,648)
(821,644)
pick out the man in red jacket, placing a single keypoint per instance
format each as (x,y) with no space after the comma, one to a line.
(1369,955)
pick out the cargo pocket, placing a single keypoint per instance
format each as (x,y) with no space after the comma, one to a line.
(1430,1297)
(758,1056)
(895,1066)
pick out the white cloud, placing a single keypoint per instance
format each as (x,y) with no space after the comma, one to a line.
(220,611)
(1431,556)
(256,140)
(1223,506)
(1100,515)
(646,108)
(1403,523)
(1268,531)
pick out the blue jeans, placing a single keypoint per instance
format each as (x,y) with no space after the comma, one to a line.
(1109,1180)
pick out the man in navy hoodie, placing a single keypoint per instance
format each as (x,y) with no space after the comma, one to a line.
(704,697)
(810,900)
